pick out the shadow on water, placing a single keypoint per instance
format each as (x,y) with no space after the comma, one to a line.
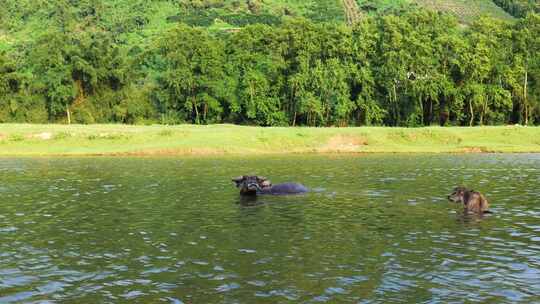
(465,217)
(175,230)
(249,201)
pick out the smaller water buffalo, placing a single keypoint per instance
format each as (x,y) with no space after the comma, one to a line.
(472,201)
(253,185)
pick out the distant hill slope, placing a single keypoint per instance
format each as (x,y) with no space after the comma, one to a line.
(133,20)
(23,20)
(237,13)
(465,10)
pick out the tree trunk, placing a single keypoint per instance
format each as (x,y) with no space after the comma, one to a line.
(292,104)
(196,112)
(395,106)
(421,102)
(525,102)
(327,116)
(78,100)
(205,112)
(68,113)
(483,113)
(80,94)
(472,114)
(482,118)
(430,117)
(443,112)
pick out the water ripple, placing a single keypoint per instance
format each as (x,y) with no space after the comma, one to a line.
(377,229)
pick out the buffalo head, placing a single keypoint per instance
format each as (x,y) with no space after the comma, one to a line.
(249,185)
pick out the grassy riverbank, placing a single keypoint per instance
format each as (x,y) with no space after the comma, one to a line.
(43,140)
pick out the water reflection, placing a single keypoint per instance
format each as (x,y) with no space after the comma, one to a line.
(377,229)
(250,201)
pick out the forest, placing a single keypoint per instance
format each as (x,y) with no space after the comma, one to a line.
(82,63)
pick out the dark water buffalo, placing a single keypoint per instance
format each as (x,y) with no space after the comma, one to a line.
(472,201)
(253,185)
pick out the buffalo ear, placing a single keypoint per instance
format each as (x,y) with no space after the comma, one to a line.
(266,183)
(238,179)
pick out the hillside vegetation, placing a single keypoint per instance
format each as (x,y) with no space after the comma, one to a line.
(132,21)
(269,63)
(25,19)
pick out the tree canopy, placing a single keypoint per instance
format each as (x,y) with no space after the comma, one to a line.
(413,69)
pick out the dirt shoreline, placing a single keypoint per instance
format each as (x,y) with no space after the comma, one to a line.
(143,154)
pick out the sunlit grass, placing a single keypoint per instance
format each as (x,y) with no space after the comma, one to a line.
(32,139)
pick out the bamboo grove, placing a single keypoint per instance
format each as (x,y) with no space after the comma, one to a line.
(418,68)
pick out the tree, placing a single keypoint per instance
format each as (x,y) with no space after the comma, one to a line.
(10,84)
(526,59)
(256,54)
(68,66)
(192,68)
(484,65)
(363,89)
(392,63)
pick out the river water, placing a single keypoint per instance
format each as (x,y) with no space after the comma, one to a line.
(375,229)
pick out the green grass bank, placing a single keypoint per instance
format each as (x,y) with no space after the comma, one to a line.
(72,140)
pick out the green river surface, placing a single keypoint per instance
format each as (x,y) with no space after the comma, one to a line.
(374,229)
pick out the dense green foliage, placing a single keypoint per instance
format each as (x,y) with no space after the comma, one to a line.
(519,8)
(99,61)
